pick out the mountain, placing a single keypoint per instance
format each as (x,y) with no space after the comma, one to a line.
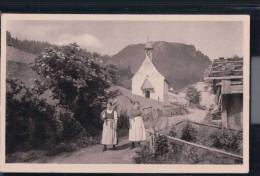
(181,64)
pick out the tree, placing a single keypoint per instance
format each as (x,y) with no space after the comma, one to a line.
(30,46)
(9,38)
(124,77)
(78,83)
(193,95)
(112,71)
(30,121)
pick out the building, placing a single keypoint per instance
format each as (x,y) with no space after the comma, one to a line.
(148,81)
(226,78)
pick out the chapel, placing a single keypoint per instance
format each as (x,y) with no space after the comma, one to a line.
(148,81)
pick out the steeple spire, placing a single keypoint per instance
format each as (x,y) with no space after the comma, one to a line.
(148,49)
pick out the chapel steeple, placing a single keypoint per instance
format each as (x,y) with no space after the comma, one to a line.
(148,49)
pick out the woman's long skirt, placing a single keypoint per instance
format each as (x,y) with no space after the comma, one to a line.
(137,130)
(109,134)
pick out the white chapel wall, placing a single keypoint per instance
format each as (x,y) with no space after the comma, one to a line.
(148,71)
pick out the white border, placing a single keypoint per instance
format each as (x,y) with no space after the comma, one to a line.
(129,168)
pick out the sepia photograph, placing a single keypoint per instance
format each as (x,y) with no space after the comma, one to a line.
(125,93)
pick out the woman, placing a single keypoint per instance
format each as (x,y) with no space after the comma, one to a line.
(136,125)
(109,134)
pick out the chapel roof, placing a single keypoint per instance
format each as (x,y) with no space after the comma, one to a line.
(149,45)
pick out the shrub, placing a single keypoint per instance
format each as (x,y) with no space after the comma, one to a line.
(123,125)
(143,155)
(193,155)
(175,153)
(30,121)
(228,140)
(61,148)
(71,128)
(123,121)
(25,156)
(189,133)
(78,83)
(79,88)
(161,145)
(173,132)
(216,115)
(193,95)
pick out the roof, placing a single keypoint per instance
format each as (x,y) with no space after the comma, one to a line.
(229,68)
(148,45)
(147,85)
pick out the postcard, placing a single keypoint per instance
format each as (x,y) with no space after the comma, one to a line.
(125,93)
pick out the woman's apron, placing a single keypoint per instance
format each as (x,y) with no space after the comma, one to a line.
(109,133)
(136,129)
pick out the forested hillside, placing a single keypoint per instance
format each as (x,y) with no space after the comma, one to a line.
(29,46)
(181,64)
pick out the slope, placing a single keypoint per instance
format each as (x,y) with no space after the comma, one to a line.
(181,64)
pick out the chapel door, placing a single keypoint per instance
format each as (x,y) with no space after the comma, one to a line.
(147,94)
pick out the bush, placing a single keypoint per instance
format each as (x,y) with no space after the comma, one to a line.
(161,145)
(78,83)
(30,121)
(79,88)
(123,121)
(61,148)
(228,140)
(189,133)
(193,95)
(143,155)
(71,128)
(170,152)
(173,132)
(192,155)
(175,153)
(22,157)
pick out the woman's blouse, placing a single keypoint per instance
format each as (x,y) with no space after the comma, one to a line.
(134,113)
(109,114)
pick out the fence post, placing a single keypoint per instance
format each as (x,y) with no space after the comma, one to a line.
(152,142)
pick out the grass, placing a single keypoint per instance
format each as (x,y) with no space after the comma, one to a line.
(152,109)
(125,99)
(52,150)
(17,55)
(179,153)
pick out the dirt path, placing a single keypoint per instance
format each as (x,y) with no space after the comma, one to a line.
(123,154)
(195,115)
(94,155)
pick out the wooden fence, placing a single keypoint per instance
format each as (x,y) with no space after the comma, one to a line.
(154,133)
(207,125)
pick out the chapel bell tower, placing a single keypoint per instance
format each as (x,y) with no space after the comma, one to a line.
(148,50)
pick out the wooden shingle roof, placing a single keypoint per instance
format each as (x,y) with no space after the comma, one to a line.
(230,68)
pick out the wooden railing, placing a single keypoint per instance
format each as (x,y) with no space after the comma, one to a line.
(154,133)
(207,125)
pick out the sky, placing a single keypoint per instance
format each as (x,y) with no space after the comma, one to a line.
(215,39)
